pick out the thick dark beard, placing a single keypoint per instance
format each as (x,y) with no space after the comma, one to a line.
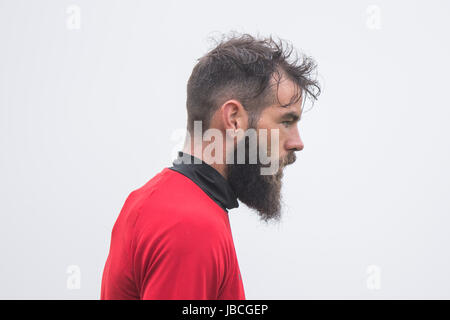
(259,192)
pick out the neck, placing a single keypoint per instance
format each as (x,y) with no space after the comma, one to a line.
(197,151)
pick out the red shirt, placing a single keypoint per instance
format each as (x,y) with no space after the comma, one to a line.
(172,241)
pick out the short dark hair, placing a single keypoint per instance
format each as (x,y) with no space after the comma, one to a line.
(240,67)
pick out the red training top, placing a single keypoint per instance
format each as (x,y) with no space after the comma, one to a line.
(172,241)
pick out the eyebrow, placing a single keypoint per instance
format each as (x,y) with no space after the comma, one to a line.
(291,115)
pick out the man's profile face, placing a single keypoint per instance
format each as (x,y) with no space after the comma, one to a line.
(285,119)
(263,192)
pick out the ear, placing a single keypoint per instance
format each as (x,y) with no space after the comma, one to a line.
(234,115)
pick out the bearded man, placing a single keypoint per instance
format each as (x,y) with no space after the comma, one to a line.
(172,239)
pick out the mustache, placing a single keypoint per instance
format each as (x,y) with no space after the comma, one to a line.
(289,159)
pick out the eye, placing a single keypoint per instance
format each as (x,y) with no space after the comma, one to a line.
(286,123)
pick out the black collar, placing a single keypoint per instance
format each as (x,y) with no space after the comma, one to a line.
(207,178)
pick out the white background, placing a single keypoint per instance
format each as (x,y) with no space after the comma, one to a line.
(87,115)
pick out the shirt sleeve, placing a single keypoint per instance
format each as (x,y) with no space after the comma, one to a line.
(184,262)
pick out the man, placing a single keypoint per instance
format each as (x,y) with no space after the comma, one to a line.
(172,239)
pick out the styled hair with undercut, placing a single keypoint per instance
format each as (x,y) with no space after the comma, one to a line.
(241,67)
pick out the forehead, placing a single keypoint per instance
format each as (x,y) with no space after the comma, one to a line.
(287,99)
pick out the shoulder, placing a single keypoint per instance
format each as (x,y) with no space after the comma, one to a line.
(170,209)
(171,197)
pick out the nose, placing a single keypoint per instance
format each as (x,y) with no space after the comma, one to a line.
(295,143)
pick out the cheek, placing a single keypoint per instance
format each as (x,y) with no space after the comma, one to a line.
(268,142)
(265,142)
(282,138)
